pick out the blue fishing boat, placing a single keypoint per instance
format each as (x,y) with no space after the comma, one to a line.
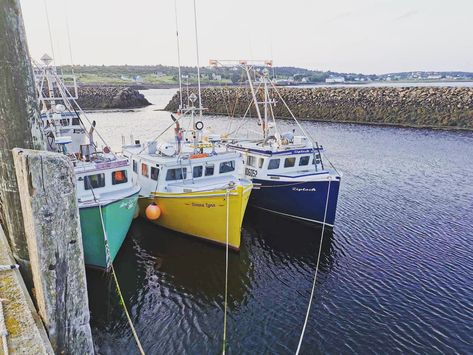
(292,178)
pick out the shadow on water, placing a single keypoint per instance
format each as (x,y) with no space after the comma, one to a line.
(172,280)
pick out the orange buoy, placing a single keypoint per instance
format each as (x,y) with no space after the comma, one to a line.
(153,212)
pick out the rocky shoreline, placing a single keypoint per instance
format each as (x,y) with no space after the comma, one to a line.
(433,107)
(113,97)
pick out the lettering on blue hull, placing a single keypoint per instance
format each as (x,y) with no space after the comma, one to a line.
(304,189)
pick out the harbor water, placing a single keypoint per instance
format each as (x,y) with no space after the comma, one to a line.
(396,273)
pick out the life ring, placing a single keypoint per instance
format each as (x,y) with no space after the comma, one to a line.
(199,125)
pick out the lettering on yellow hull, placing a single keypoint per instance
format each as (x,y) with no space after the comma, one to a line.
(203,214)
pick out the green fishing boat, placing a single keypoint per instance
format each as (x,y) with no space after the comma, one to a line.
(106,195)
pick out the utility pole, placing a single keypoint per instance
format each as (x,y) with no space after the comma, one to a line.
(19,120)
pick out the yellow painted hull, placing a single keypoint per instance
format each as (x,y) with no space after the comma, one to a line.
(202,214)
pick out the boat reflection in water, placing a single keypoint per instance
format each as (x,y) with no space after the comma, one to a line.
(164,275)
(285,239)
(174,285)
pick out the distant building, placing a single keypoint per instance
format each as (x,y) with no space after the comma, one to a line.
(434,76)
(216,77)
(159,74)
(335,79)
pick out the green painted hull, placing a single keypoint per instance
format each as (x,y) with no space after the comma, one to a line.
(117,218)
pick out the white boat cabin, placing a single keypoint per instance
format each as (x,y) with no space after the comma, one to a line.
(211,169)
(286,164)
(104,181)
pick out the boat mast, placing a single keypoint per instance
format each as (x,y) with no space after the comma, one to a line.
(255,100)
(178,56)
(266,100)
(197,57)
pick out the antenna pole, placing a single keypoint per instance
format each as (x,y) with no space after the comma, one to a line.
(197,57)
(253,93)
(178,56)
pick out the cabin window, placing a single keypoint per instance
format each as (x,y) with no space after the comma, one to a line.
(75,121)
(144,169)
(119,177)
(209,170)
(260,163)
(227,166)
(304,161)
(154,173)
(289,162)
(176,174)
(251,161)
(273,164)
(94,181)
(197,171)
(135,166)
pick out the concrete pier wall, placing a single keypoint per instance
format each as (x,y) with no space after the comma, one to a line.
(26,334)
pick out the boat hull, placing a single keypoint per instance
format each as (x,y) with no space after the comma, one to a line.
(202,214)
(301,200)
(117,218)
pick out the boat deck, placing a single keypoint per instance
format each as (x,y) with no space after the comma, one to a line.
(204,184)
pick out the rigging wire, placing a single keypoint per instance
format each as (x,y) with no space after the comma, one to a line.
(49,28)
(69,43)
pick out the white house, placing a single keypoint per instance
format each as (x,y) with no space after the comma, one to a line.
(335,79)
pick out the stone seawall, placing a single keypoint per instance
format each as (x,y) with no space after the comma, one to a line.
(102,98)
(438,107)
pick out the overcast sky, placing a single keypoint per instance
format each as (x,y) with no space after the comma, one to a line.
(367,36)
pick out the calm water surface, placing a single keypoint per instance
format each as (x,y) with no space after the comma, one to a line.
(396,274)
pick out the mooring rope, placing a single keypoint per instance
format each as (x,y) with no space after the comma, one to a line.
(316,270)
(227,196)
(119,291)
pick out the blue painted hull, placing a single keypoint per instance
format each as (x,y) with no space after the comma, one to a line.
(305,201)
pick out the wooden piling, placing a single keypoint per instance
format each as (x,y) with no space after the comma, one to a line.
(19,120)
(49,203)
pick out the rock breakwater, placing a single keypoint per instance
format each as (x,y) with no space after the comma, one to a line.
(437,107)
(101,98)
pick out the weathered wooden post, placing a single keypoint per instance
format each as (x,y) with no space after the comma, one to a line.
(51,216)
(19,119)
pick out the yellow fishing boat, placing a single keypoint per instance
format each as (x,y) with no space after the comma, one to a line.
(194,185)
(203,214)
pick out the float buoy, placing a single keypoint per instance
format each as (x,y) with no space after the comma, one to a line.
(153,212)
